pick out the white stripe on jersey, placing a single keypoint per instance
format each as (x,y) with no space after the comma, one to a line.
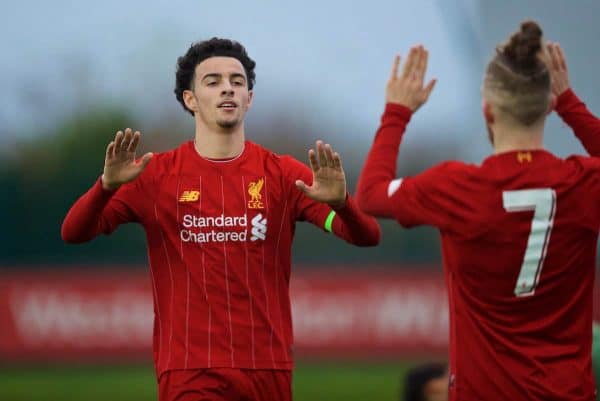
(393,187)
(187,277)
(155,296)
(227,279)
(162,236)
(263,246)
(283,219)
(204,276)
(248,278)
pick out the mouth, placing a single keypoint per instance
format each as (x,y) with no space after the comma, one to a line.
(227,105)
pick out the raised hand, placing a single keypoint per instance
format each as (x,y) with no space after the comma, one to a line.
(407,88)
(557,66)
(329,180)
(120,165)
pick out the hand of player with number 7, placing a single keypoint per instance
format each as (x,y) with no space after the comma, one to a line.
(407,88)
(329,180)
(557,65)
(120,164)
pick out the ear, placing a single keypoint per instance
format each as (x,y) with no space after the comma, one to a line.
(488,113)
(190,100)
(250,97)
(552,104)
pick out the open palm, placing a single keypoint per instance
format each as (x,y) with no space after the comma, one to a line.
(408,87)
(120,164)
(329,180)
(557,65)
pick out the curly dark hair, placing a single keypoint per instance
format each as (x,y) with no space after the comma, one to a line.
(200,51)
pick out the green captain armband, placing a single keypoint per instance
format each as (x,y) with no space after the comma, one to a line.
(596,352)
(329,221)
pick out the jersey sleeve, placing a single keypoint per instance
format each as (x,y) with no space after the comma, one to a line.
(347,222)
(584,124)
(428,198)
(99,211)
(424,199)
(379,172)
(592,179)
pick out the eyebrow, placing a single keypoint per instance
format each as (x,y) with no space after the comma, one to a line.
(217,75)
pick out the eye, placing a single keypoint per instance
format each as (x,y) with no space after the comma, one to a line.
(211,83)
(238,83)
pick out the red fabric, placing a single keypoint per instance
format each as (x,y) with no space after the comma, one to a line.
(220,271)
(225,384)
(380,168)
(585,125)
(504,347)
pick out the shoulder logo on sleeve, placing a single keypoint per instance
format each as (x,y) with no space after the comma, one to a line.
(524,157)
(189,196)
(254,190)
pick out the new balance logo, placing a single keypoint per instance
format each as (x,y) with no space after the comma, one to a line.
(189,196)
(259,228)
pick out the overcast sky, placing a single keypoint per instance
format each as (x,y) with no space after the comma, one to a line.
(328,60)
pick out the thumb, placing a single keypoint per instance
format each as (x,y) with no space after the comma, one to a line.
(302,186)
(144,160)
(430,87)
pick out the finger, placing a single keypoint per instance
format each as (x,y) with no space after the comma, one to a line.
(134,142)
(549,48)
(556,62)
(423,65)
(544,54)
(301,185)
(408,64)
(337,161)
(552,56)
(144,160)
(329,155)
(417,65)
(321,154)
(414,73)
(312,160)
(548,53)
(562,61)
(118,141)
(395,66)
(429,88)
(110,150)
(126,139)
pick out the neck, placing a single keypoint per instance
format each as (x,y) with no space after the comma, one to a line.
(509,137)
(219,143)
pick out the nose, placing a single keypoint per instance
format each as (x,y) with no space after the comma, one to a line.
(227,89)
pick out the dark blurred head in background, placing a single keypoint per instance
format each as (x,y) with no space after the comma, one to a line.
(185,75)
(516,88)
(428,382)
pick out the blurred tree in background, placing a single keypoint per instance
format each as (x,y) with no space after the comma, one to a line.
(46,175)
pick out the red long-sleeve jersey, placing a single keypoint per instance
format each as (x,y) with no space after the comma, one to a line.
(519,235)
(219,238)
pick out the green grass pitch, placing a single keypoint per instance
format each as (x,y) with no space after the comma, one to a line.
(312,381)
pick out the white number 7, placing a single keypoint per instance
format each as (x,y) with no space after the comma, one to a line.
(543,203)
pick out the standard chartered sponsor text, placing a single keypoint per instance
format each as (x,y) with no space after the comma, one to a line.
(201,229)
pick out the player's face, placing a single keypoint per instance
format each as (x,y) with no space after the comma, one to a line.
(221,92)
(437,389)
